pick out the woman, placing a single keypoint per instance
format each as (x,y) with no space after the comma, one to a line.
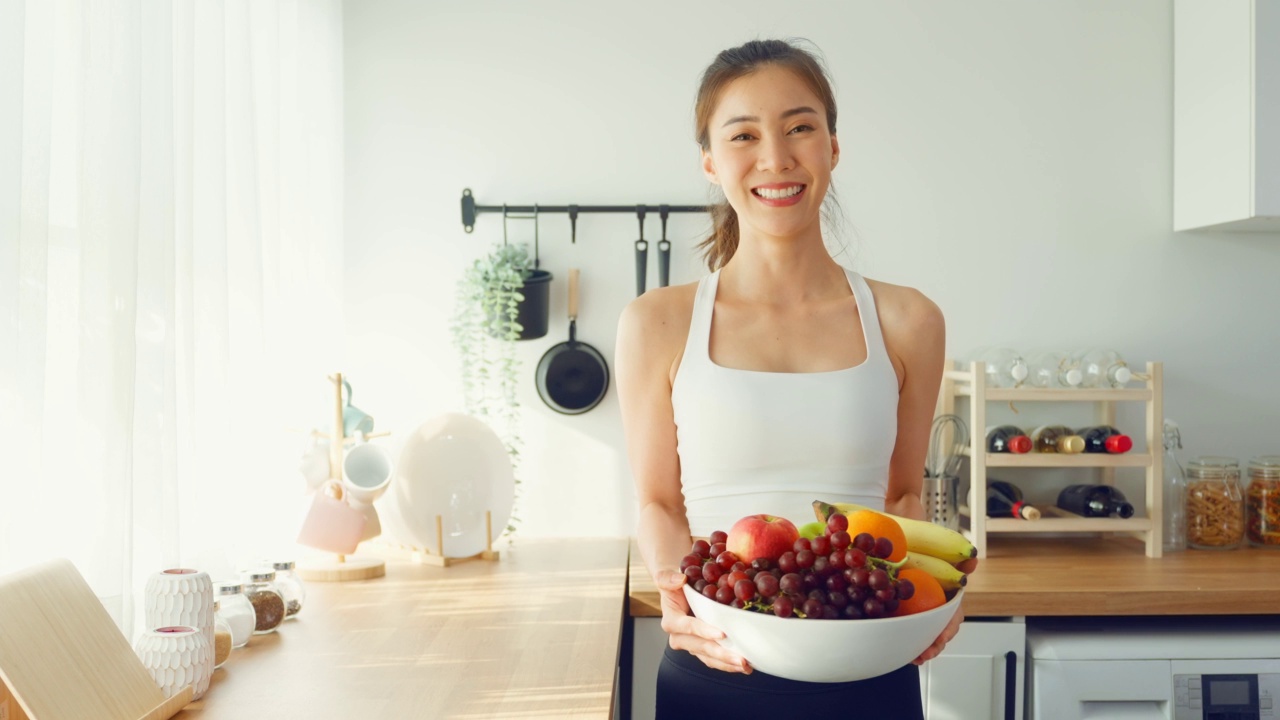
(811,382)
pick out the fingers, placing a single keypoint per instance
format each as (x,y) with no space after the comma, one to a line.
(948,633)
(669,579)
(711,654)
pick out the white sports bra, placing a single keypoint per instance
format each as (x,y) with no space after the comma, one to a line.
(766,442)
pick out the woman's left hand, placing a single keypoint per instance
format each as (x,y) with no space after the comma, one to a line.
(952,628)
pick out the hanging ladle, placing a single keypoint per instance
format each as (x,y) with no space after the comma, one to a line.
(642,254)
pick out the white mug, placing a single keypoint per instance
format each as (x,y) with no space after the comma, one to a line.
(367,470)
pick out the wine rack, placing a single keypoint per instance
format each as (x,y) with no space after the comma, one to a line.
(960,382)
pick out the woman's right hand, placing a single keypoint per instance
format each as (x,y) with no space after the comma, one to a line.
(688,632)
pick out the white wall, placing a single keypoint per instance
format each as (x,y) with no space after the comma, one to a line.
(1011,159)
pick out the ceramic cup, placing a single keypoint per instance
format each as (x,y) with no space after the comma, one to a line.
(332,524)
(314,463)
(367,470)
(354,420)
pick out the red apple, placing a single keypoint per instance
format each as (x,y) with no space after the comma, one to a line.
(756,536)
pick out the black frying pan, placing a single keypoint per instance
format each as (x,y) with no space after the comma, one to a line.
(572,376)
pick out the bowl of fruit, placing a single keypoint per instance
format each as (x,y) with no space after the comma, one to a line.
(858,594)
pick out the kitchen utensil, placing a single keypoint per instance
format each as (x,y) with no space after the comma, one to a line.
(939,459)
(664,250)
(642,254)
(823,650)
(572,376)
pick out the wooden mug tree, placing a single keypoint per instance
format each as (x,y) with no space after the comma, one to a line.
(339,567)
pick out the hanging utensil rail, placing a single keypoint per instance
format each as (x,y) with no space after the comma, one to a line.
(470,210)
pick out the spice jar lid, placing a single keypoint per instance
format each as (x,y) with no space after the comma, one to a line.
(230,588)
(262,575)
(283,565)
(1266,466)
(1212,466)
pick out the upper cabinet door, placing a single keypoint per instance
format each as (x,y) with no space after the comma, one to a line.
(1226,115)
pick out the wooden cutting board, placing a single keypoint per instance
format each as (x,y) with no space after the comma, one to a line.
(63,658)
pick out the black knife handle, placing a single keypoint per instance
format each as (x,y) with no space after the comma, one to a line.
(664,263)
(642,264)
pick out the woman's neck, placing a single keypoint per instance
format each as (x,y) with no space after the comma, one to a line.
(774,270)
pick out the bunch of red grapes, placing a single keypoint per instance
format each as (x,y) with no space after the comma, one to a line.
(830,577)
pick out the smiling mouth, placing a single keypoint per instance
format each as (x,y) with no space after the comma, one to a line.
(779,193)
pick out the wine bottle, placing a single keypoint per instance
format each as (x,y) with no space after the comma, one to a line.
(1053,370)
(1105,439)
(1103,369)
(1094,501)
(1007,439)
(1005,368)
(1056,439)
(1005,500)
(1175,484)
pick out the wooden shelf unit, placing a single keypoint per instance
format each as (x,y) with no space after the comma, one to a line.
(970,382)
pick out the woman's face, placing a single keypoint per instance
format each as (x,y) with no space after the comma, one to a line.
(771,151)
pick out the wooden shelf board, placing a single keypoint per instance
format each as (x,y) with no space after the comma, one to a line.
(1059,394)
(1080,460)
(1064,524)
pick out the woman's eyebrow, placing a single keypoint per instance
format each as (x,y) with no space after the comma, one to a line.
(752,118)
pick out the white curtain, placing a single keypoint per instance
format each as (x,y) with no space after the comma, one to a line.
(170,278)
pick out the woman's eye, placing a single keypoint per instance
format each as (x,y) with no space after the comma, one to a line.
(801,127)
(740,136)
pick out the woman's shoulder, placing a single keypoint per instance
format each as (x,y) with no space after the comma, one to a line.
(662,309)
(909,320)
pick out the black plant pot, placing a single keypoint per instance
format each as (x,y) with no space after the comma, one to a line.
(532,312)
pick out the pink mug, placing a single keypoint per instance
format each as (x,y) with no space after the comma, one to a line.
(332,524)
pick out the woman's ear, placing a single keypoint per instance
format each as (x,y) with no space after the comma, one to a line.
(709,167)
(835,152)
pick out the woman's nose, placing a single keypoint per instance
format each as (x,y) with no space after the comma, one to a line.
(775,155)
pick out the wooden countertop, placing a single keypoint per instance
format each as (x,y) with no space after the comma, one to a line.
(535,634)
(1090,576)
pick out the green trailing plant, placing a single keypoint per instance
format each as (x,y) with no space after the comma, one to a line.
(485,331)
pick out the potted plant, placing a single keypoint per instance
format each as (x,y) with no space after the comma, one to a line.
(500,299)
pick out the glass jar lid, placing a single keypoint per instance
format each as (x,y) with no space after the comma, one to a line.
(262,575)
(1211,466)
(1265,466)
(283,565)
(230,588)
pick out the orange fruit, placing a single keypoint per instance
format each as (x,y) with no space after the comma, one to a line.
(928,595)
(879,525)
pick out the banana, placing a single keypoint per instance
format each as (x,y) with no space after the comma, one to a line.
(922,537)
(944,572)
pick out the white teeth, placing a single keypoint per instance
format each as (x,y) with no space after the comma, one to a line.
(778,194)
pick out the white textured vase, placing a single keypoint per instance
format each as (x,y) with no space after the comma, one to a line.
(175,658)
(182,598)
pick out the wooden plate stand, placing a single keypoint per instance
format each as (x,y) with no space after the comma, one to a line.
(339,568)
(440,560)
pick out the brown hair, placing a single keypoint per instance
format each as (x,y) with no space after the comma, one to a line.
(728,66)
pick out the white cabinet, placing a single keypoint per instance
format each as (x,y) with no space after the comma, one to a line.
(1226,115)
(979,675)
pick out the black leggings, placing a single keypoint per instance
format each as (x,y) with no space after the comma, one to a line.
(688,689)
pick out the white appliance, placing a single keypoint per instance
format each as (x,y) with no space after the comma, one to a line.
(1165,668)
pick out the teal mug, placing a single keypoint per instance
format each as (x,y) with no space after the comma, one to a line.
(354,420)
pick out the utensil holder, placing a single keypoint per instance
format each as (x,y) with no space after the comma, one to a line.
(941,504)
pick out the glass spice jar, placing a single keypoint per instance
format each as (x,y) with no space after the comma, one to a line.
(1262,502)
(268,603)
(236,609)
(1215,505)
(291,587)
(221,637)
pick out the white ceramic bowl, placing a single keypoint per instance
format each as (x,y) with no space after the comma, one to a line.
(823,650)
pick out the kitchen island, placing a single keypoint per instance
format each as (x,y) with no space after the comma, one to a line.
(1036,577)
(536,634)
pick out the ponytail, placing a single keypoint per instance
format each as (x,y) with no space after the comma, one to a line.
(720,245)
